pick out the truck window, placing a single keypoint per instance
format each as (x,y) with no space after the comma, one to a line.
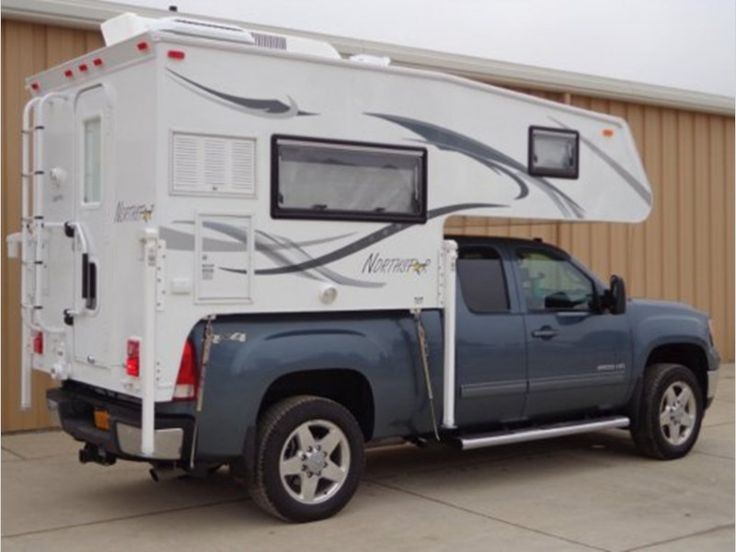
(552,283)
(326,179)
(482,281)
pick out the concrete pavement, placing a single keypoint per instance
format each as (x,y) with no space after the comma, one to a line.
(590,492)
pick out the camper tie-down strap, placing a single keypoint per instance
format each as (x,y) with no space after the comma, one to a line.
(424,356)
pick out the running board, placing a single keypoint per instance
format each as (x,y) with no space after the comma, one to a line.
(548,432)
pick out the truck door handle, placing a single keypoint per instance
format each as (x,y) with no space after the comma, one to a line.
(545,332)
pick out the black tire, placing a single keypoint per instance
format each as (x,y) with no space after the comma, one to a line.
(650,436)
(277,495)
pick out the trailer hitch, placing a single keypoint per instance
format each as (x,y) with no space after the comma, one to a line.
(93,453)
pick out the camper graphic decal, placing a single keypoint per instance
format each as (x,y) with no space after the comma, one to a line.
(499,162)
(639,187)
(133,213)
(377,264)
(291,257)
(253,106)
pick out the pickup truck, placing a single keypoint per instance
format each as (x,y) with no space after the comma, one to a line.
(543,348)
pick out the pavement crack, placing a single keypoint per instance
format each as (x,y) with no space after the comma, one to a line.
(729,458)
(675,539)
(124,518)
(485,516)
(19,456)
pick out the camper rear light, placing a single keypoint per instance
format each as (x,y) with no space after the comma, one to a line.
(188,378)
(142,46)
(38,343)
(133,360)
(176,54)
(68,73)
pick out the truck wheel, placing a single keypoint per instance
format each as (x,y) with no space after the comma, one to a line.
(671,412)
(309,461)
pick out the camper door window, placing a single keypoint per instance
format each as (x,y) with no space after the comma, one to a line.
(92,161)
(329,179)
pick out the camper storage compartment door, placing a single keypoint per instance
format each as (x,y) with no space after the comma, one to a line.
(223,255)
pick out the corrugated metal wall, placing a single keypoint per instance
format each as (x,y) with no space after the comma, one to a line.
(685,251)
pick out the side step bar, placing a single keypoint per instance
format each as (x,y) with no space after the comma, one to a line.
(559,430)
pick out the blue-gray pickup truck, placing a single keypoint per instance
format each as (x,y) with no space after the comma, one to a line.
(543,349)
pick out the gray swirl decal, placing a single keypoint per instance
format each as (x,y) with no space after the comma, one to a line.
(630,179)
(253,106)
(449,140)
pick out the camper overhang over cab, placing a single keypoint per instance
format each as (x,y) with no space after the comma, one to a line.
(189,170)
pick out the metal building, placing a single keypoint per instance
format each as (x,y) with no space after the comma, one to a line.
(684,252)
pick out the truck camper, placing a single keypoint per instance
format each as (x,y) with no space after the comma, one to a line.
(233,252)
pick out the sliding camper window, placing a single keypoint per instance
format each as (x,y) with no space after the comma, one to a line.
(553,152)
(329,179)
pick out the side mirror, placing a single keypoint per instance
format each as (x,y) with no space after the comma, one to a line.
(615,296)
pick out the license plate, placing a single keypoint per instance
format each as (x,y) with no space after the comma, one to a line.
(102,420)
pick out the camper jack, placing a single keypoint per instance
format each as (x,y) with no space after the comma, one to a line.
(233,252)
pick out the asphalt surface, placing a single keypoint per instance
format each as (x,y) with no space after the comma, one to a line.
(590,492)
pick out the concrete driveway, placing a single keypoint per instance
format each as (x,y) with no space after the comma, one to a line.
(589,492)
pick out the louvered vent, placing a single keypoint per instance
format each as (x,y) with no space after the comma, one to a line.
(205,164)
(269,41)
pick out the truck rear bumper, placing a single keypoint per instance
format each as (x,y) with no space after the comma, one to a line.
(122,437)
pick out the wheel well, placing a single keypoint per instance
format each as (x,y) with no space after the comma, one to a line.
(347,387)
(686,354)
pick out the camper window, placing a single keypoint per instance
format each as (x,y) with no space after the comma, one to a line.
(553,152)
(92,160)
(328,179)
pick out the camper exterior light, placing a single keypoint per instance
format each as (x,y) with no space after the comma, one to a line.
(133,360)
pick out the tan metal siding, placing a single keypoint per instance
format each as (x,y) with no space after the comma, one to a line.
(685,251)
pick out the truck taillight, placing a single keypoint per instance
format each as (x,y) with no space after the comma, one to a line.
(38,343)
(187,380)
(133,360)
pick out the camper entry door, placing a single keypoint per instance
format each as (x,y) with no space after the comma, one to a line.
(94,258)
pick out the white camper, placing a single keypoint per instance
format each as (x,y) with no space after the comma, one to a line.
(189,170)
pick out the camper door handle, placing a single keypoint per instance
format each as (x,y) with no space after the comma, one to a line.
(89,282)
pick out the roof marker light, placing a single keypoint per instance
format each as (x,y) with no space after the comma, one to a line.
(97,62)
(142,46)
(35,86)
(68,73)
(607,132)
(176,54)
(83,67)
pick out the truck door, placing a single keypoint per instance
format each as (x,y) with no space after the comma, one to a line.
(94,254)
(490,346)
(577,356)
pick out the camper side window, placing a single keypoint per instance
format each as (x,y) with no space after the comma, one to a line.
(326,179)
(553,152)
(92,160)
